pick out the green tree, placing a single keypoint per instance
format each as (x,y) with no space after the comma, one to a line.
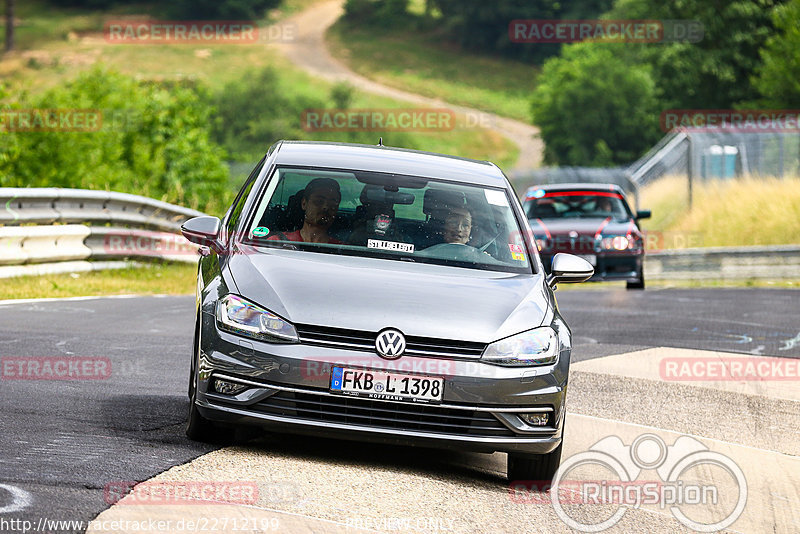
(778,77)
(253,10)
(594,109)
(386,13)
(715,72)
(152,140)
(255,111)
(483,26)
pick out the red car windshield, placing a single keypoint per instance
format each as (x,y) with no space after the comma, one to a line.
(577,204)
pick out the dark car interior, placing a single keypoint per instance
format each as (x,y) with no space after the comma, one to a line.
(585,206)
(385,213)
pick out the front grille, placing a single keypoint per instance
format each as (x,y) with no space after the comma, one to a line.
(378,414)
(360,340)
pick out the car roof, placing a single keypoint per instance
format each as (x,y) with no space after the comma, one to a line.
(574,187)
(388,159)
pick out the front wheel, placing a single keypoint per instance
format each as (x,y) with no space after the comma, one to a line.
(541,468)
(639,284)
(198,427)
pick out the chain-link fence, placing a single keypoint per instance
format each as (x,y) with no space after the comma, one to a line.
(719,154)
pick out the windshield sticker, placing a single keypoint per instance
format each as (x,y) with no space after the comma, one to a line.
(496,198)
(260,231)
(382,224)
(516,252)
(390,245)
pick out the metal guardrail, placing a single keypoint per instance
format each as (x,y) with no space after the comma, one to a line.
(56,205)
(725,263)
(36,229)
(154,232)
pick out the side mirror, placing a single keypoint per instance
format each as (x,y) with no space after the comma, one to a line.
(643,214)
(569,269)
(203,231)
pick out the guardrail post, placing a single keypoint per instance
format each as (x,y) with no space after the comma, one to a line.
(689,167)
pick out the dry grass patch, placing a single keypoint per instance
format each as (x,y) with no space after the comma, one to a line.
(747,211)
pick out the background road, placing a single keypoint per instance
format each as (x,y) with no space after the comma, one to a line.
(308,51)
(63,441)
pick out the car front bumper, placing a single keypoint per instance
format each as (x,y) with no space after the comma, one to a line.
(288,391)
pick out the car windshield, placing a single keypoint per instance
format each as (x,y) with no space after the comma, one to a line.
(576,204)
(389,216)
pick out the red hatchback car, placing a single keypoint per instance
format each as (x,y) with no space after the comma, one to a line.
(593,221)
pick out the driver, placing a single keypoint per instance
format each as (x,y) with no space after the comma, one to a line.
(320,204)
(604,205)
(458,226)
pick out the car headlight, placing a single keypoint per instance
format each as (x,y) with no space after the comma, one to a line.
(239,316)
(539,346)
(619,242)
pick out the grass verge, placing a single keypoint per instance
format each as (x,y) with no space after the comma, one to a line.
(420,63)
(149,279)
(743,212)
(67,41)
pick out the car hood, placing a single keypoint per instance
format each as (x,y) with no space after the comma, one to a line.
(371,294)
(584,227)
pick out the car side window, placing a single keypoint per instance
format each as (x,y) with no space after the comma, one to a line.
(238,205)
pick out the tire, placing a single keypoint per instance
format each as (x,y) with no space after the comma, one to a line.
(198,428)
(638,284)
(541,468)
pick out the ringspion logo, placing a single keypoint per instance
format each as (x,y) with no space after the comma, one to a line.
(677,488)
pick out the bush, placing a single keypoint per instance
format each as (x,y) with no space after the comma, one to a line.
(253,10)
(594,109)
(255,111)
(385,13)
(153,141)
(342,95)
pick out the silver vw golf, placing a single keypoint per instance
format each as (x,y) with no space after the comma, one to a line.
(380,294)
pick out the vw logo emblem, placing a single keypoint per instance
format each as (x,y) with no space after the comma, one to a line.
(390,344)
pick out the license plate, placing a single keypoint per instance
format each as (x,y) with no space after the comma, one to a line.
(591,258)
(386,385)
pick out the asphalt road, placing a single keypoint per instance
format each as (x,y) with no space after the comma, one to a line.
(753,321)
(63,442)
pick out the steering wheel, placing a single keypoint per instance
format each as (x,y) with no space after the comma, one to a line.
(575,212)
(457,252)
